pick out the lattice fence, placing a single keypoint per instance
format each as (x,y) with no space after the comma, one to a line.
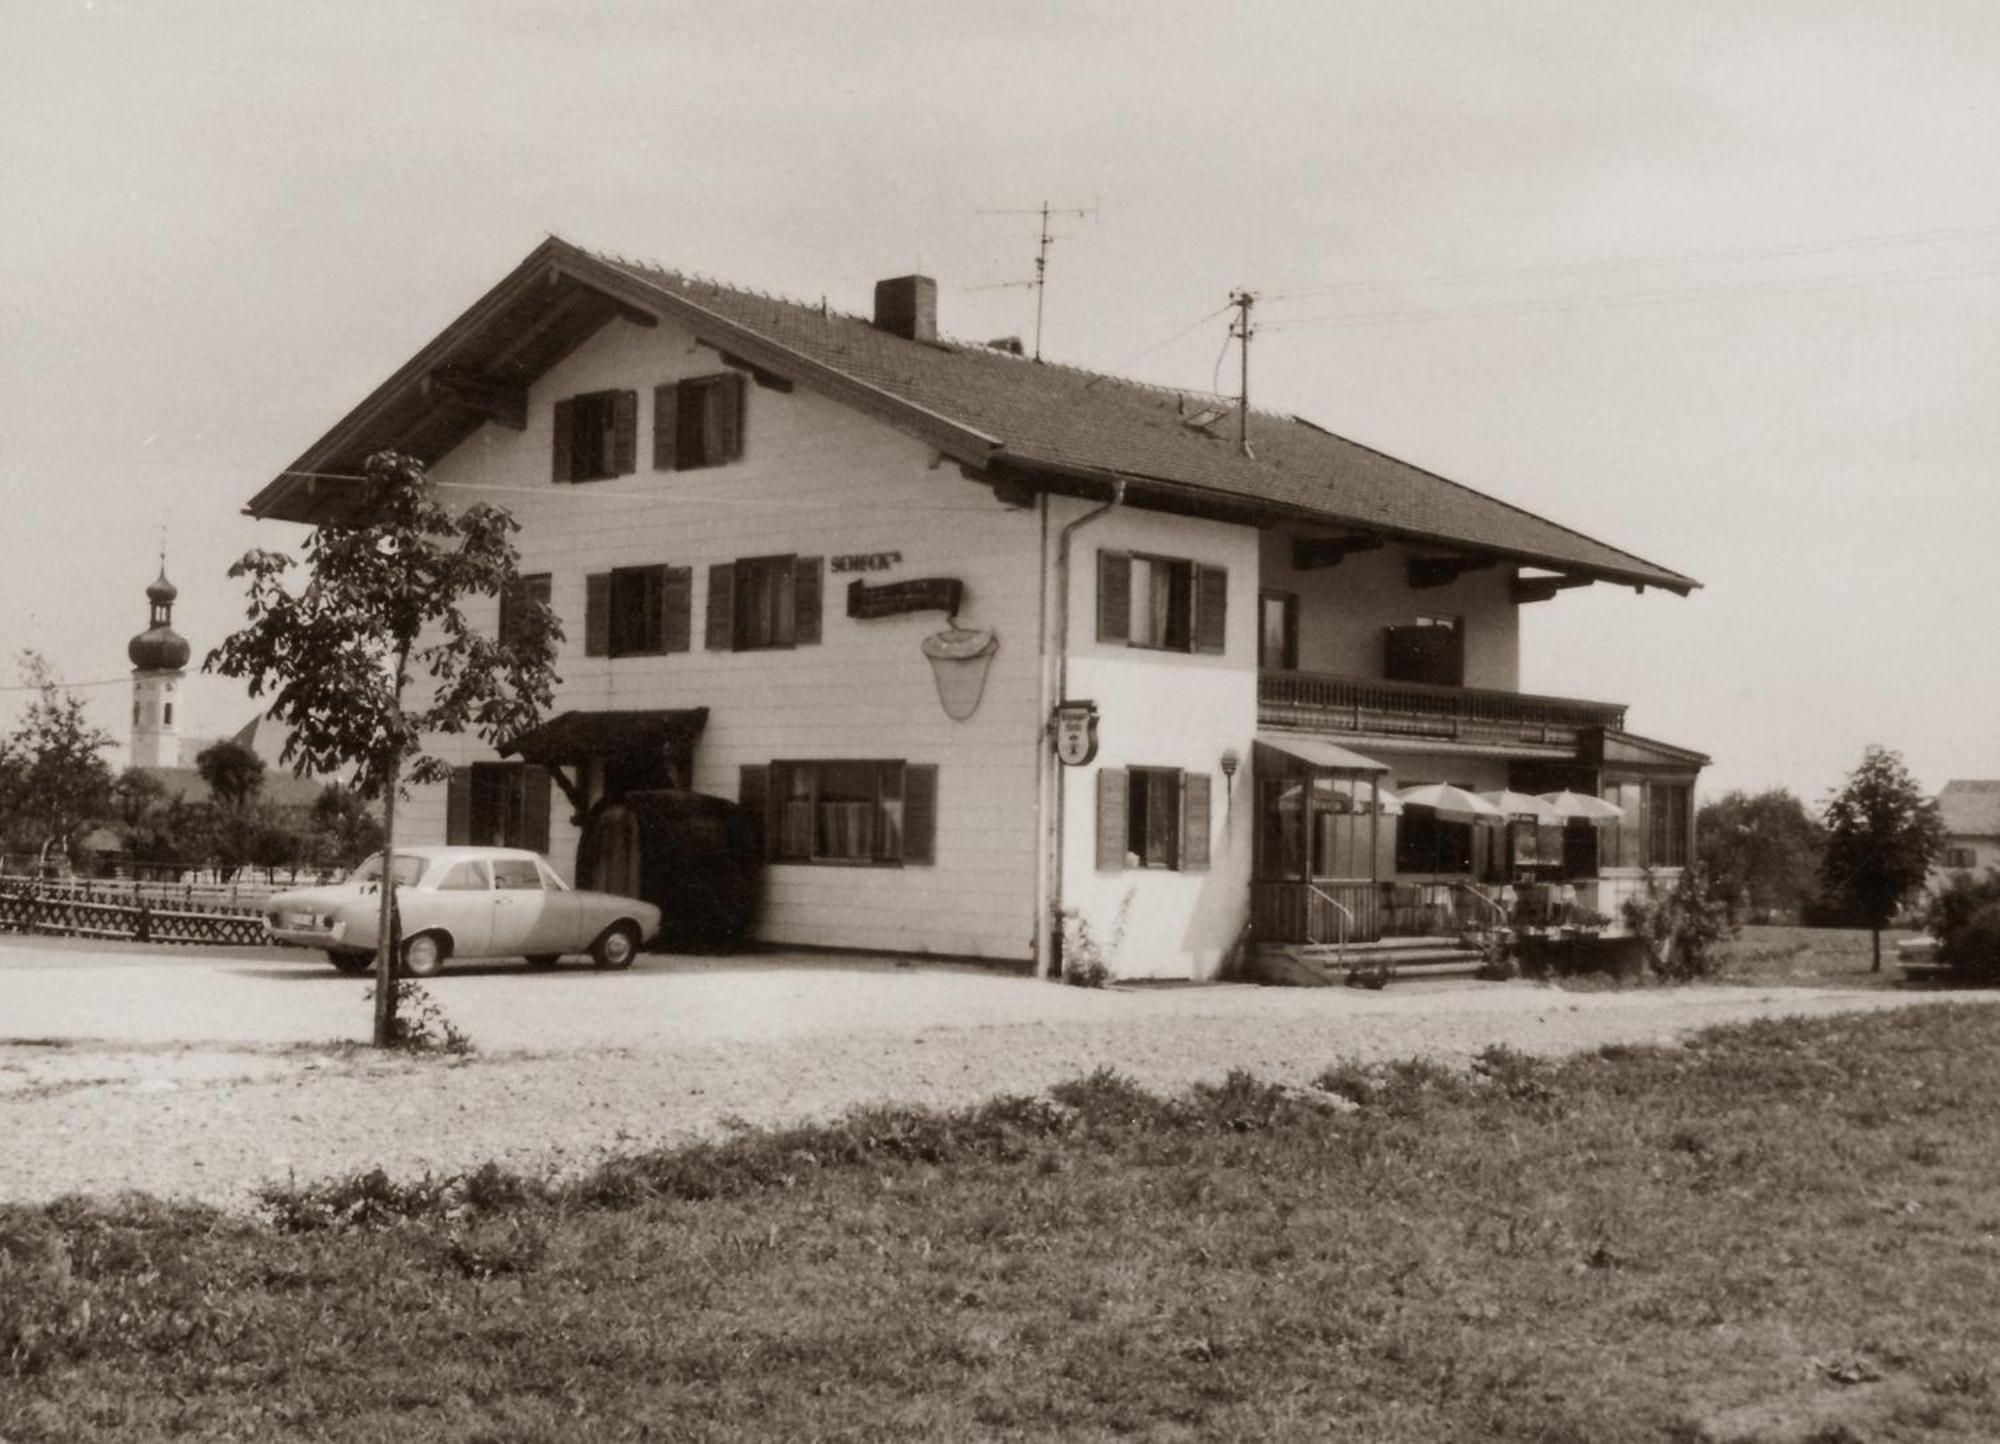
(74,910)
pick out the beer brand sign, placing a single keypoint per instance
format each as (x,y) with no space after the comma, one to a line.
(1076,733)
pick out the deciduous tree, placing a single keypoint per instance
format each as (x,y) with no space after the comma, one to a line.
(54,782)
(1882,833)
(1761,849)
(234,773)
(373,653)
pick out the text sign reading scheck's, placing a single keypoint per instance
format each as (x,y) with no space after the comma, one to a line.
(866,561)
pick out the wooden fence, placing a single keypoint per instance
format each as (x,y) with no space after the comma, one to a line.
(130,912)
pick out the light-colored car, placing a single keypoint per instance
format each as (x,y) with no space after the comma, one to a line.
(463,902)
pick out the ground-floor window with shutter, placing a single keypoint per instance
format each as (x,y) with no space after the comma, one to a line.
(866,813)
(498,804)
(1152,817)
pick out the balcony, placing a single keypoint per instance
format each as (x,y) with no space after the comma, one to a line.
(1371,707)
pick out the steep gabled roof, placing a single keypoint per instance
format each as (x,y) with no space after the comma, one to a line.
(997,414)
(1971,808)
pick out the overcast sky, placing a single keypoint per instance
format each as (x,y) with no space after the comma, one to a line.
(1716,282)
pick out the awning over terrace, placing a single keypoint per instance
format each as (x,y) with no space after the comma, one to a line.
(1287,753)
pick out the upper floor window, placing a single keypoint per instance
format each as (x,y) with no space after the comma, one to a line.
(698,422)
(637,611)
(596,435)
(1960,857)
(533,587)
(1427,649)
(758,603)
(1277,631)
(1166,603)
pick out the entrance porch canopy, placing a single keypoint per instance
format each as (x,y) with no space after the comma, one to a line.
(574,740)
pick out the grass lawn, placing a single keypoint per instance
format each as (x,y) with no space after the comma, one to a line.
(1780,1232)
(1811,957)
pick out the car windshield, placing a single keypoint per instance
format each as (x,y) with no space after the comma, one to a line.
(409,867)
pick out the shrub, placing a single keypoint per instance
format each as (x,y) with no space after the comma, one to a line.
(1086,963)
(1965,920)
(1681,925)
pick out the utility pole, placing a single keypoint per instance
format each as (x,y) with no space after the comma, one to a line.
(1048,238)
(1242,330)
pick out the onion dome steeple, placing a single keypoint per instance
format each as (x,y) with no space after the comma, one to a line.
(159,648)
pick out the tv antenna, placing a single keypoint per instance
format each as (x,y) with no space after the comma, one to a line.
(1048,238)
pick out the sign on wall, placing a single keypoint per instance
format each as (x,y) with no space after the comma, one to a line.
(924,594)
(1076,733)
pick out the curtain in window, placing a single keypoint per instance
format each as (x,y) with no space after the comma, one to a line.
(794,786)
(847,808)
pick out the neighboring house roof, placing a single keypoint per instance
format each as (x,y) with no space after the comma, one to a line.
(1970,808)
(282,788)
(997,414)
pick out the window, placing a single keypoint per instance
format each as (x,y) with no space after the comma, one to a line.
(596,436)
(498,804)
(1654,830)
(1426,842)
(698,422)
(525,589)
(1152,817)
(1428,649)
(517,874)
(858,813)
(759,603)
(469,876)
(167,717)
(1960,858)
(637,611)
(1277,631)
(1161,602)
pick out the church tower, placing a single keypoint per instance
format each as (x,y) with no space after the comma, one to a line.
(159,659)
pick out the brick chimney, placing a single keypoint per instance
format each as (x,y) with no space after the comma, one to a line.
(907,306)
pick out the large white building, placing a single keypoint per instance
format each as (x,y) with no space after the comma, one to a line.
(845,571)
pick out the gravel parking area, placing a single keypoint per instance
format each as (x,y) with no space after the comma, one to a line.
(203,1077)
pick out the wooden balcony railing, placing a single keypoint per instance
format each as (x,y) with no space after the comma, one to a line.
(1323,702)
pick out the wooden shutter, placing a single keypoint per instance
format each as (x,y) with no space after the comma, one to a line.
(729,411)
(597,615)
(920,815)
(624,432)
(805,601)
(678,607)
(1114,597)
(1194,821)
(458,807)
(535,808)
(721,607)
(753,792)
(1111,786)
(1211,609)
(510,602)
(666,422)
(565,425)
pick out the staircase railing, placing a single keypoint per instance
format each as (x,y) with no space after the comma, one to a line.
(1341,909)
(1499,912)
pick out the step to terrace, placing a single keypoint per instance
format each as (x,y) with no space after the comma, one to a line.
(1319,965)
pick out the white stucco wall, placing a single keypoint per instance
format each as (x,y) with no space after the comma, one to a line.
(816,478)
(1343,609)
(1163,709)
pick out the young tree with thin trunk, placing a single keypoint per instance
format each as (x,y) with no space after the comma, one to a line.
(1882,832)
(54,782)
(373,654)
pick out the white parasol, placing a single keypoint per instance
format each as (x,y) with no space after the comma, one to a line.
(1521,807)
(1452,803)
(1582,806)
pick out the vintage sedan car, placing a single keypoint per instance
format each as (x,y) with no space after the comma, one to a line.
(463,902)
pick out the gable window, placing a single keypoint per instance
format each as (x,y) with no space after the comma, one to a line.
(498,804)
(1152,817)
(596,436)
(1166,603)
(760,603)
(637,611)
(698,422)
(526,589)
(857,813)
(1277,631)
(1428,649)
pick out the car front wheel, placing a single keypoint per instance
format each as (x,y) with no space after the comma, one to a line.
(615,947)
(423,956)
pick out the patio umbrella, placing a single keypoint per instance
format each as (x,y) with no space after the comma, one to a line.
(1521,807)
(1452,803)
(1583,806)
